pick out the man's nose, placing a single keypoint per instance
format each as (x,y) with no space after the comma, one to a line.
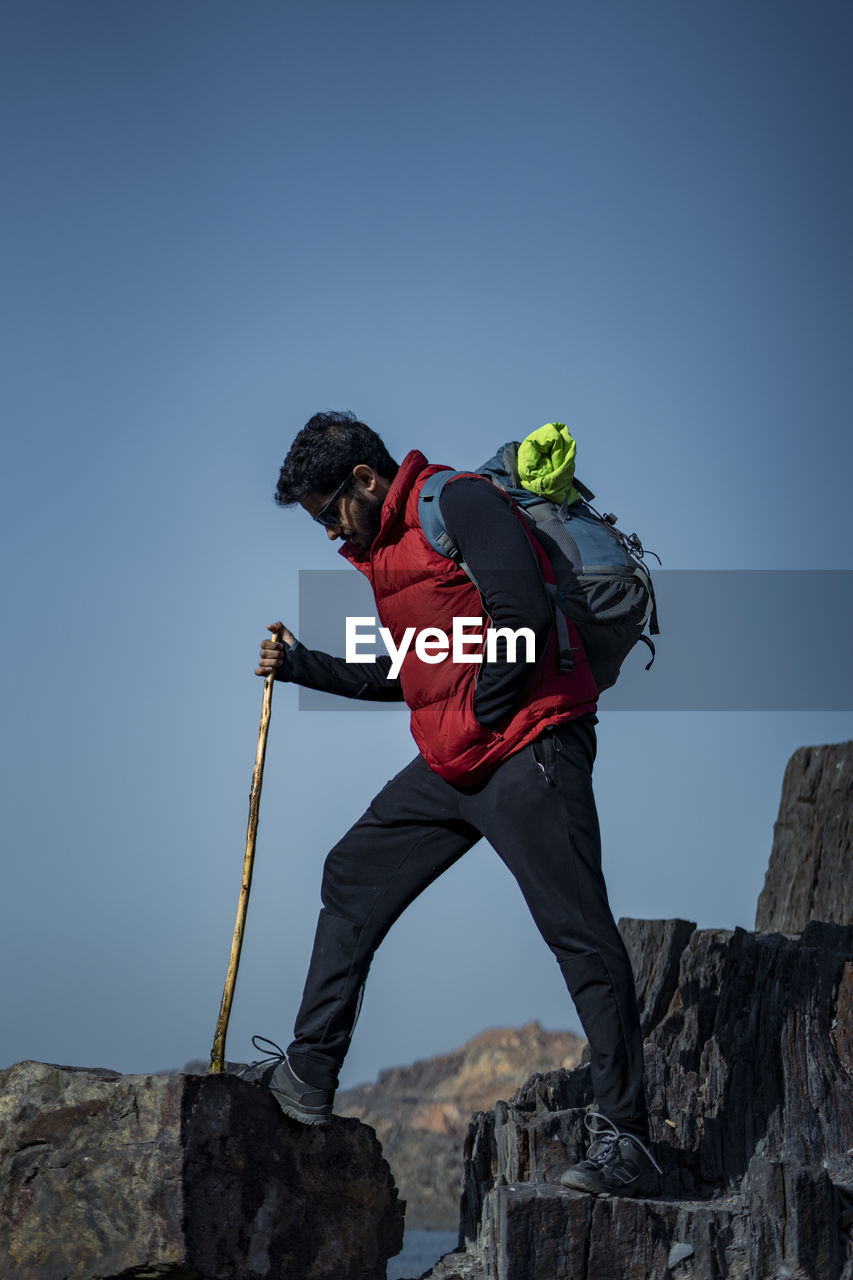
(332,534)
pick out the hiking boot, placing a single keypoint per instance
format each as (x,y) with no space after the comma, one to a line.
(617,1164)
(297,1099)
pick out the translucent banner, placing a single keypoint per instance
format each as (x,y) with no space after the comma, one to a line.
(731,640)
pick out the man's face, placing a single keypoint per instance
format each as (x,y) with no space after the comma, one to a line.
(357,512)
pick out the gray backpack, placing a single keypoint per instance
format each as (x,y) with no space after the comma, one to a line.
(602,583)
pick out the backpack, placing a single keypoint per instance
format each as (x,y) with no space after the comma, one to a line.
(602,584)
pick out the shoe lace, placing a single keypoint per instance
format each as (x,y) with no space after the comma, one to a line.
(259,1042)
(603,1138)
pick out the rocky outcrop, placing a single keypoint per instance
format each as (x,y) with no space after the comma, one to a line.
(810,876)
(750,1080)
(749,1070)
(421,1112)
(184,1177)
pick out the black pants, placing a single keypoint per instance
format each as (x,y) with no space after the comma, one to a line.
(537,810)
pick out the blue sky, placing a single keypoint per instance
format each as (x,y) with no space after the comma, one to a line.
(460,221)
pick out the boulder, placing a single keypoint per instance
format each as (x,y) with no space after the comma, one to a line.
(810,876)
(107,1177)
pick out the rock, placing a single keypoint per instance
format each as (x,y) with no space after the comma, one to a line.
(745,1062)
(532,1232)
(539,1232)
(654,948)
(459,1265)
(794,1221)
(192,1177)
(678,1253)
(809,876)
(750,1085)
(421,1112)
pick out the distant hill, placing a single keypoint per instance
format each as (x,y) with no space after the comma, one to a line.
(421,1112)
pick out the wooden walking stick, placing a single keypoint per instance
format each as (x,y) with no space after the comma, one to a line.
(217,1055)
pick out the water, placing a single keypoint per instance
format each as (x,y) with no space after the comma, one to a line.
(421,1249)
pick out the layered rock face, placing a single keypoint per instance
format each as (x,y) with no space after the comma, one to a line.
(421,1112)
(810,876)
(750,1080)
(111,1177)
(749,1070)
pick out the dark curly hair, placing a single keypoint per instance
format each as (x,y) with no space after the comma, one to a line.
(327,448)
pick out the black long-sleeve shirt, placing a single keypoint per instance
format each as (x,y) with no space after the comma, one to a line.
(492,542)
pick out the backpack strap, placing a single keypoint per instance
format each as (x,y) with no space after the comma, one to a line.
(432,524)
(586,494)
(551,520)
(565,648)
(653,620)
(646,641)
(430,517)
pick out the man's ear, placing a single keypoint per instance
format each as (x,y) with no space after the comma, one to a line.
(366,476)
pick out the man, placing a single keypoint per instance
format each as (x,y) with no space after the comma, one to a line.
(506,748)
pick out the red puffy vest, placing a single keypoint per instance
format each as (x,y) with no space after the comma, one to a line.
(415,586)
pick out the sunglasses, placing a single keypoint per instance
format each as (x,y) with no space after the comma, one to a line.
(326,517)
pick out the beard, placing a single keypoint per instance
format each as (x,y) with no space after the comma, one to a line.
(369,516)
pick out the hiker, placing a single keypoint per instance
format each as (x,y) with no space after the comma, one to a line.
(506,750)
